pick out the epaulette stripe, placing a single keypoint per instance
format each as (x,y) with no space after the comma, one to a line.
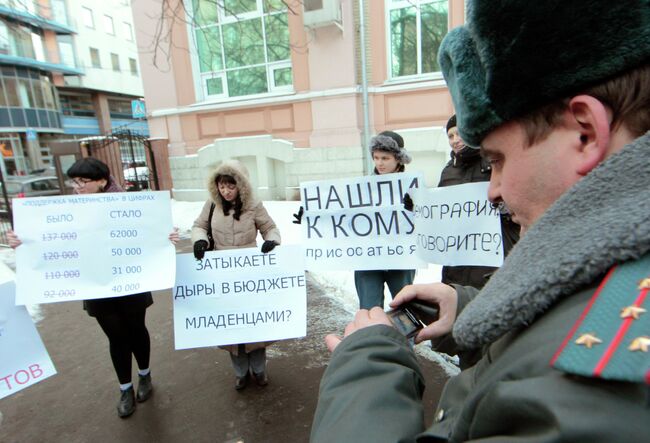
(598,370)
(577,324)
(611,338)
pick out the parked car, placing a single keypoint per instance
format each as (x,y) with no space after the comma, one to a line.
(136,178)
(29,186)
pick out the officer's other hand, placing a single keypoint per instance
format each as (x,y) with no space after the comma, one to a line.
(298,216)
(362,319)
(200,247)
(408,202)
(268,246)
(443,295)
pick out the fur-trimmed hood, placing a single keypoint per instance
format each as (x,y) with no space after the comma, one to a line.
(603,220)
(239,172)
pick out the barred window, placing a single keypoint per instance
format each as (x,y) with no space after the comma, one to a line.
(242,47)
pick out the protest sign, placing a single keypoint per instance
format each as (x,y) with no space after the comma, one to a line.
(25,360)
(239,296)
(78,247)
(457,225)
(359,223)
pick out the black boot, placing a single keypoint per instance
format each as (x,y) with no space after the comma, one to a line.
(261,379)
(126,406)
(145,387)
(241,382)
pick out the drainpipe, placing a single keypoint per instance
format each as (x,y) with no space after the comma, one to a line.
(367,160)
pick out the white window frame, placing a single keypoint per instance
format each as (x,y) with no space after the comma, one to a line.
(272,67)
(5,46)
(37,44)
(200,77)
(119,68)
(135,63)
(224,83)
(59,11)
(391,5)
(128,31)
(88,17)
(99,58)
(68,49)
(109,26)
(225,19)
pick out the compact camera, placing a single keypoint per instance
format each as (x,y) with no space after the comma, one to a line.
(412,316)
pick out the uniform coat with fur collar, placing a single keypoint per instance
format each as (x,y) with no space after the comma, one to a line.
(520,319)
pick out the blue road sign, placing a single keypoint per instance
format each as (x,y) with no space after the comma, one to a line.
(137,109)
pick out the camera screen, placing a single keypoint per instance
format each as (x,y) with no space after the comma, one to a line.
(403,322)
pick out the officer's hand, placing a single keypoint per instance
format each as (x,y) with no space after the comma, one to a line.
(298,216)
(200,247)
(408,202)
(13,240)
(443,295)
(362,319)
(268,246)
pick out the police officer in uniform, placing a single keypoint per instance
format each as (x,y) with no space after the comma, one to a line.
(557,97)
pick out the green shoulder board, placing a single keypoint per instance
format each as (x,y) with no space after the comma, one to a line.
(611,339)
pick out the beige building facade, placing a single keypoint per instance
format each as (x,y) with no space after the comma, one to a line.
(279,85)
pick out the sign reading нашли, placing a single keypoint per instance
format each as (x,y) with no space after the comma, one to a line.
(359,223)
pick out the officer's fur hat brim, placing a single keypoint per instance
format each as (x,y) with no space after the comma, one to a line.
(514,56)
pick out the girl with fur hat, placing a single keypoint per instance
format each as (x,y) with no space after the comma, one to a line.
(230,219)
(389,156)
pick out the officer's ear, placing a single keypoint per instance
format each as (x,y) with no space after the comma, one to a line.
(591,122)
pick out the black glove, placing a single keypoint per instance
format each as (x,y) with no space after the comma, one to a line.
(408,202)
(268,246)
(298,216)
(200,247)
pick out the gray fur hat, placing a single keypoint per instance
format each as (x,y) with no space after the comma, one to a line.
(391,142)
(514,56)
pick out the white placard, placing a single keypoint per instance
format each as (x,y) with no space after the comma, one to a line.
(24,360)
(79,247)
(239,296)
(456,225)
(359,223)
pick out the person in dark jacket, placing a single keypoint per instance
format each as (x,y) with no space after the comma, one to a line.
(467,166)
(121,318)
(564,323)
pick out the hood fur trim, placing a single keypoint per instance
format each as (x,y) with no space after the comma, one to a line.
(239,172)
(603,220)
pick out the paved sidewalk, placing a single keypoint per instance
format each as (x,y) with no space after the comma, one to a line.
(194,398)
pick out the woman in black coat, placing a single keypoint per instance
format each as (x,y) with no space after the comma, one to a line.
(121,318)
